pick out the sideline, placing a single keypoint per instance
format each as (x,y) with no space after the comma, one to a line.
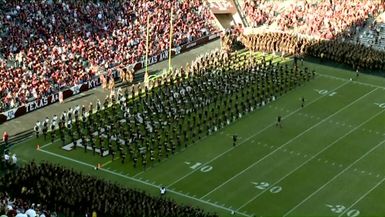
(147,183)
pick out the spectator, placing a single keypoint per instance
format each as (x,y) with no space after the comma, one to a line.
(53,44)
(72,193)
(319,19)
(5,138)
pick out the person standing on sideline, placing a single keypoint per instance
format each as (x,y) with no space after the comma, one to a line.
(5,138)
(302,102)
(162,191)
(279,121)
(5,145)
(14,160)
(6,159)
(235,140)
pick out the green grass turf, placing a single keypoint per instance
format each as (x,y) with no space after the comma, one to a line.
(326,160)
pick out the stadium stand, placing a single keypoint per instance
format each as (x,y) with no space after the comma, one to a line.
(357,56)
(374,34)
(65,191)
(320,19)
(48,45)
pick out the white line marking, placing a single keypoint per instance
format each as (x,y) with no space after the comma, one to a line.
(362,197)
(50,143)
(342,171)
(143,182)
(250,137)
(283,145)
(313,157)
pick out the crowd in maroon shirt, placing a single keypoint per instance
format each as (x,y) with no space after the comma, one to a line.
(47,45)
(321,19)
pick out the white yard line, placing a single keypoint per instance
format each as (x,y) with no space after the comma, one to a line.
(146,183)
(362,197)
(110,161)
(313,157)
(283,145)
(138,174)
(357,82)
(332,179)
(252,136)
(50,143)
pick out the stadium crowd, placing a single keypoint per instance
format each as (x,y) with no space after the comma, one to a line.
(356,56)
(47,45)
(373,35)
(319,19)
(65,191)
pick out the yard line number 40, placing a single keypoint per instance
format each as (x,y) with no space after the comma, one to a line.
(325,92)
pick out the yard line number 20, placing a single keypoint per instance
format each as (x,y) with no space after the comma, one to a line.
(267,186)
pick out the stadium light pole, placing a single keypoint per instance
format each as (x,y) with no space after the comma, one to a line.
(170,44)
(147,39)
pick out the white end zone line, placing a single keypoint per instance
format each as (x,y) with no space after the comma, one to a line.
(362,197)
(313,157)
(145,183)
(332,179)
(286,143)
(259,132)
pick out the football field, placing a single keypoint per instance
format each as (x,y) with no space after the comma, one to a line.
(327,159)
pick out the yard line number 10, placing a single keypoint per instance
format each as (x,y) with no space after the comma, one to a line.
(199,166)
